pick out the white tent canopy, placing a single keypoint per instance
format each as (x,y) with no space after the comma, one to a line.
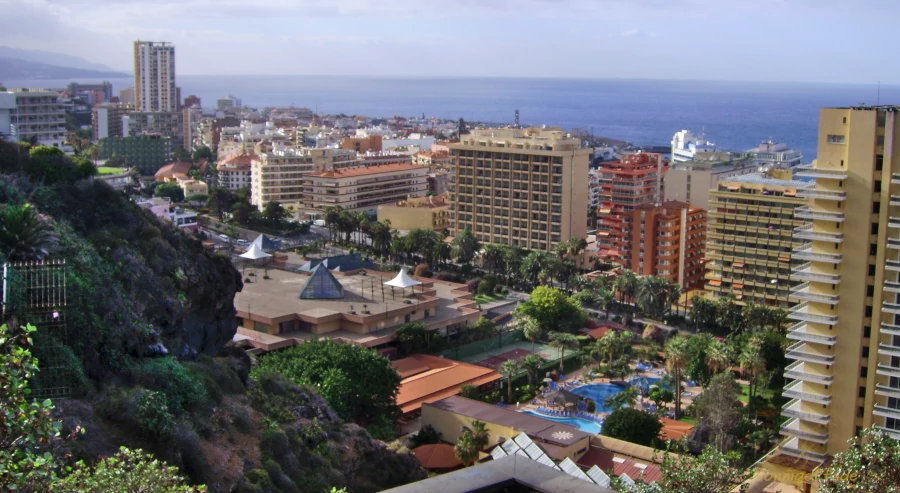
(402,280)
(255,253)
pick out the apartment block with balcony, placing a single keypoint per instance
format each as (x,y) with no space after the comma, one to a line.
(845,369)
(754,227)
(519,187)
(430,212)
(363,188)
(278,175)
(670,240)
(107,118)
(691,181)
(154,77)
(166,124)
(38,115)
(636,179)
(234,171)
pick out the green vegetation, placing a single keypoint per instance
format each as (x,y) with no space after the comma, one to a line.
(871,464)
(711,472)
(106,170)
(552,310)
(129,471)
(633,425)
(170,190)
(359,384)
(472,441)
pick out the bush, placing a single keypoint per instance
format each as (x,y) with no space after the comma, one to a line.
(153,416)
(486,286)
(585,298)
(422,270)
(242,419)
(591,406)
(182,388)
(472,284)
(633,426)
(426,436)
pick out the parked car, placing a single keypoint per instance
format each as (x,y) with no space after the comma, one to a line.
(225,238)
(243,242)
(320,222)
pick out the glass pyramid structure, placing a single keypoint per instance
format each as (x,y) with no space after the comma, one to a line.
(322,286)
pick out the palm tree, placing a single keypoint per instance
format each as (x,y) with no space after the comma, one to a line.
(652,295)
(493,257)
(752,364)
(465,246)
(513,257)
(676,358)
(718,356)
(605,346)
(563,340)
(24,234)
(561,250)
(333,220)
(532,364)
(509,368)
(480,435)
(360,223)
(466,450)
(531,267)
(577,246)
(441,253)
(627,397)
(607,298)
(530,327)
(626,285)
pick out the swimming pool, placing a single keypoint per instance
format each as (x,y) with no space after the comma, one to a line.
(599,392)
(582,424)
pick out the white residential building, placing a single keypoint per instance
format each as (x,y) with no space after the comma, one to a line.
(775,155)
(38,115)
(235,170)
(278,175)
(227,102)
(154,77)
(7,107)
(685,145)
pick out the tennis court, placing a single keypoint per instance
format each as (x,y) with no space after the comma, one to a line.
(516,351)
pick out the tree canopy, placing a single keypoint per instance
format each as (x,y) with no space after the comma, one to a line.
(632,425)
(871,464)
(129,471)
(359,384)
(170,190)
(711,472)
(553,310)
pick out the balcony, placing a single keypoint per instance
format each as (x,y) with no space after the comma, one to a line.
(792,447)
(895,199)
(890,329)
(804,272)
(793,428)
(802,351)
(807,213)
(893,222)
(893,243)
(808,171)
(802,293)
(895,179)
(807,233)
(805,252)
(794,409)
(814,193)
(807,373)
(886,412)
(893,308)
(804,392)
(888,350)
(892,265)
(895,434)
(801,332)
(886,370)
(887,391)
(802,313)
(892,287)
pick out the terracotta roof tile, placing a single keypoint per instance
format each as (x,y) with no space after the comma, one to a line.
(367,170)
(429,378)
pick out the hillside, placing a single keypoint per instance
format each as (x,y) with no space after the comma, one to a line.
(149,314)
(18,69)
(52,58)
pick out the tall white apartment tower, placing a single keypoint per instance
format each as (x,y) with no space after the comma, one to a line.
(154,77)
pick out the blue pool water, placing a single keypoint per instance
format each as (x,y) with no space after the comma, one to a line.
(582,424)
(599,392)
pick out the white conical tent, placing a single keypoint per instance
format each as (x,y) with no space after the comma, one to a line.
(255,253)
(402,280)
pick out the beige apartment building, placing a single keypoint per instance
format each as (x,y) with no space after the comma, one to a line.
(846,355)
(519,187)
(278,175)
(38,115)
(363,188)
(154,76)
(106,119)
(691,181)
(751,234)
(431,212)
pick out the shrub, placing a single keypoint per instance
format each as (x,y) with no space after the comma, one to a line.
(241,419)
(486,286)
(472,284)
(154,417)
(426,436)
(591,406)
(468,391)
(182,388)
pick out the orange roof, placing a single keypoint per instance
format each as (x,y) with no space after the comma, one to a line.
(367,170)
(599,332)
(674,430)
(429,378)
(172,169)
(240,158)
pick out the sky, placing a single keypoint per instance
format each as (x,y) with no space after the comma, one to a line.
(753,40)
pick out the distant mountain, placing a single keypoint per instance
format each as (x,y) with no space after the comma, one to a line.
(52,58)
(18,69)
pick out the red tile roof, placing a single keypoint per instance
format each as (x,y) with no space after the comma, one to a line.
(240,158)
(604,459)
(429,378)
(172,169)
(674,430)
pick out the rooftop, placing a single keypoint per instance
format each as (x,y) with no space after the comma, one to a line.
(172,169)
(367,170)
(540,428)
(607,461)
(429,378)
(760,179)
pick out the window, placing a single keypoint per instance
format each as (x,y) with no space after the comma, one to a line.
(865,354)
(868,311)
(863,371)
(874,228)
(867,331)
(862,392)
(879,162)
(876,207)
(860,411)
(873,249)
(877,186)
(870,291)
(835,139)
(871,270)
(880,141)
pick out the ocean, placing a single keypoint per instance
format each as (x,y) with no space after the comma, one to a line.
(734,115)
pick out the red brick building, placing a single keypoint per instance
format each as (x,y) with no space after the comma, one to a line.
(669,241)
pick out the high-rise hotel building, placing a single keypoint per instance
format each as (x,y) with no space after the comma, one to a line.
(519,187)
(154,77)
(845,370)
